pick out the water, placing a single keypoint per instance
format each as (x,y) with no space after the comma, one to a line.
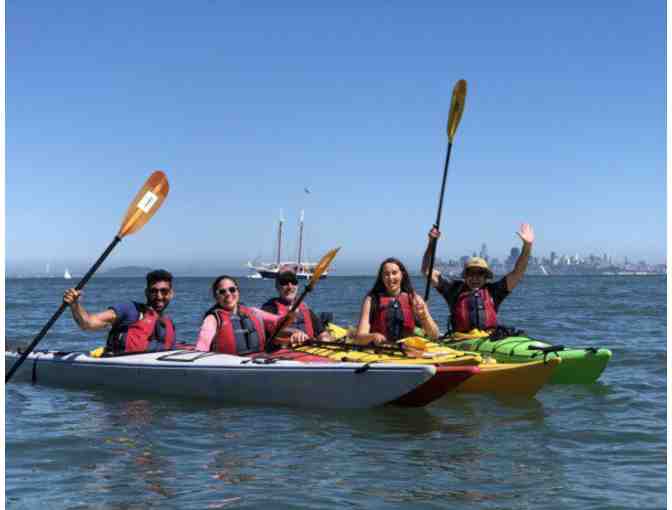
(571,447)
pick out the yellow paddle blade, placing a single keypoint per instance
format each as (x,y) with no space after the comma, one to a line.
(322,266)
(456,107)
(415,342)
(145,204)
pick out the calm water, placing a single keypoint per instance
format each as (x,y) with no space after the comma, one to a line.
(572,447)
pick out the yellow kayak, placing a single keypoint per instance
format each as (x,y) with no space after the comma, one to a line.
(442,356)
(522,379)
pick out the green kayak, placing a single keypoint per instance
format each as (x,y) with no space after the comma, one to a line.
(579,366)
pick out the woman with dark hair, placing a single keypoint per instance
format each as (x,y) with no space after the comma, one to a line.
(391,310)
(233,328)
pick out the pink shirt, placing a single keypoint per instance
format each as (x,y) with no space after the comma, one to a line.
(209,327)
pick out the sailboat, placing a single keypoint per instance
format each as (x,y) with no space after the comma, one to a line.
(67,275)
(303,269)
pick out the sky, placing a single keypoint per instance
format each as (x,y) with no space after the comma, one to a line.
(243,105)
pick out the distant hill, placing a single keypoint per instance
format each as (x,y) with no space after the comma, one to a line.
(127,271)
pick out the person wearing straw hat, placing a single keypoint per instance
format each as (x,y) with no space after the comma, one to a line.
(474,301)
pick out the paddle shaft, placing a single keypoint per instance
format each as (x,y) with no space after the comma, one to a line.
(432,253)
(388,349)
(61,309)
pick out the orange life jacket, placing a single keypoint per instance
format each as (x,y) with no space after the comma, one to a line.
(474,309)
(151,332)
(303,320)
(240,334)
(394,317)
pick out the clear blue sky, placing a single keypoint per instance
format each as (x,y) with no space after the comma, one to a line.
(245,104)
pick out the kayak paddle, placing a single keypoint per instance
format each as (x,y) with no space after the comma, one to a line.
(142,208)
(321,267)
(456,109)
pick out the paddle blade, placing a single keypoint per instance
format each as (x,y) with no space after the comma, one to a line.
(456,107)
(145,204)
(322,266)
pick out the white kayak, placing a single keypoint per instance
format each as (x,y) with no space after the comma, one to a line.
(236,380)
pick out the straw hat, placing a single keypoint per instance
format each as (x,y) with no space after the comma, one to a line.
(477,263)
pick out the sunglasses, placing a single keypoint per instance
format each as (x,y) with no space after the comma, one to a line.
(156,292)
(476,273)
(225,290)
(282,283)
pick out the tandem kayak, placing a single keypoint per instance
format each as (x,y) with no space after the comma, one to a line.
(312,383)
(579,366)
(502,379)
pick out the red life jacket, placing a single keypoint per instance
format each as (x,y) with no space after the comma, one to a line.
(394,317)
(303,320)
(144,334)
(241,333)
(474,309)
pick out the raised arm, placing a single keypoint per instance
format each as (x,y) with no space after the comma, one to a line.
(526,234)
(434,235)
(87,321)
(363,336)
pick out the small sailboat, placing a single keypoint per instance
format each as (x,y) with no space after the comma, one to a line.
(67,275)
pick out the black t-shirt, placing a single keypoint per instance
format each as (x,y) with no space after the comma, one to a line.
(270,306)
(451,289)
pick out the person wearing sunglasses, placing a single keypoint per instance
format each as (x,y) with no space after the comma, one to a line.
(307,325)
(232,328)
(135,327)
(392,309)
(474,301)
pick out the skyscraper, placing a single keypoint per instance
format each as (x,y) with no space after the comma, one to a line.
(484,252)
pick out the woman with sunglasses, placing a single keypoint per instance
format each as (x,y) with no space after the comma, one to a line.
(135,327)
(392,310)
(473,301)
(232,328)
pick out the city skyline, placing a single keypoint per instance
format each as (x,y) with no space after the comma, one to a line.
(54,269)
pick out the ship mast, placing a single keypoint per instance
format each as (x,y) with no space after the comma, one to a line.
(298,263)
(279,239)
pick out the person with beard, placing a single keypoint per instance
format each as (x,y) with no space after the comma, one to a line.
(474,301)
(306,325)
(135,327)
(392,309)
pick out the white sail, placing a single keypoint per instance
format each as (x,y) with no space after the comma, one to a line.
(67,274)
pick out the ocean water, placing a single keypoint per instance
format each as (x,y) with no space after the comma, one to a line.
(598,446)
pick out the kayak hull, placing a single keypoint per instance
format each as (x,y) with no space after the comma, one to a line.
(579,366)
(234,380)
(521,379)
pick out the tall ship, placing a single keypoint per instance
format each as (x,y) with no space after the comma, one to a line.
(270,270)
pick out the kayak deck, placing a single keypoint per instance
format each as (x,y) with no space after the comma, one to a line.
(236,380)
(579,366)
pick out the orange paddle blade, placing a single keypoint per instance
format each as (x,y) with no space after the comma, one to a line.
(456,107)
(322,266)
(145,204)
